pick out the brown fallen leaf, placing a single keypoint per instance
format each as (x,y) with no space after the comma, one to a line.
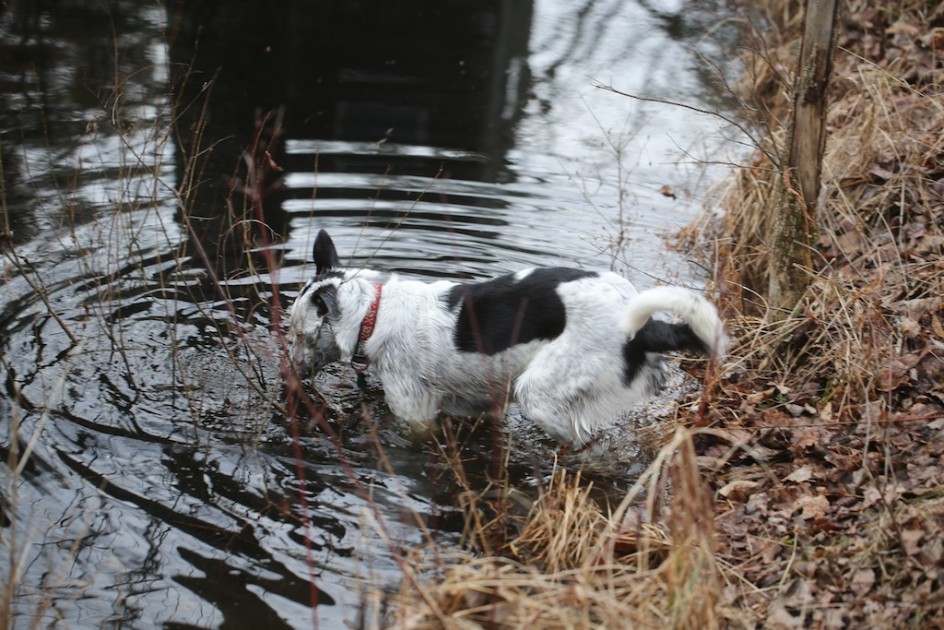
(910,329)
(896,371)
(862,581)
(738,490)
(871,496)
(812,506)
(910,539)
(936,327)
(801,474)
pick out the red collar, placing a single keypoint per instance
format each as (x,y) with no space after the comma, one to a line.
(360,360)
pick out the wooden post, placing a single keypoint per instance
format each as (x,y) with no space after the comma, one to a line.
(793,231)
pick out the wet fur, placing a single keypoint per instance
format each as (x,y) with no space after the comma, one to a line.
(576,348)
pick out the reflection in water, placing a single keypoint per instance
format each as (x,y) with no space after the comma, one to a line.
(150,476)
(449,79)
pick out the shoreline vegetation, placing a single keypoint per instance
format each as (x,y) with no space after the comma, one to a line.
(804,485)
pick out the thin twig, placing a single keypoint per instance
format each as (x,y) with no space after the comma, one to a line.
(699,110)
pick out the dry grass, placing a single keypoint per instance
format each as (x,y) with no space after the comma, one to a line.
(648,563)
(880,214)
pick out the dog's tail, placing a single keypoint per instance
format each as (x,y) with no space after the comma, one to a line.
(701,329)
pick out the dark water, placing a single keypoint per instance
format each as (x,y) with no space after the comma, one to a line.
(152,475)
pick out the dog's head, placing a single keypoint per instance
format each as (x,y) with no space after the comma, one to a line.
(317,311)
(325,319)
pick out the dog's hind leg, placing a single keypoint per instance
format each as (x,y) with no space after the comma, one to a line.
(570,399)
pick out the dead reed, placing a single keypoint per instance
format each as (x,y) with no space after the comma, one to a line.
(647,563)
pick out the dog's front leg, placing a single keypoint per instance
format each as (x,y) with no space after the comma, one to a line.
(410,399)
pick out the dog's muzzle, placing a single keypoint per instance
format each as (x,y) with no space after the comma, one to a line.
(309,353)
(302,356)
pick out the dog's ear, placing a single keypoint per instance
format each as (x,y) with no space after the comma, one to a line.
(325,255)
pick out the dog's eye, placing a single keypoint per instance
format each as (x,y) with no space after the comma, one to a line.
(324,299)
(318,301)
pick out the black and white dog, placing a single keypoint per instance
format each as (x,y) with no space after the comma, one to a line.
(576,348)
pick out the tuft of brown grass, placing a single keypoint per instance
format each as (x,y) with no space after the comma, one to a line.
(649,563)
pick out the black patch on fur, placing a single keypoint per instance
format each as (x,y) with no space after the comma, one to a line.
(658,336)
(498,314)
